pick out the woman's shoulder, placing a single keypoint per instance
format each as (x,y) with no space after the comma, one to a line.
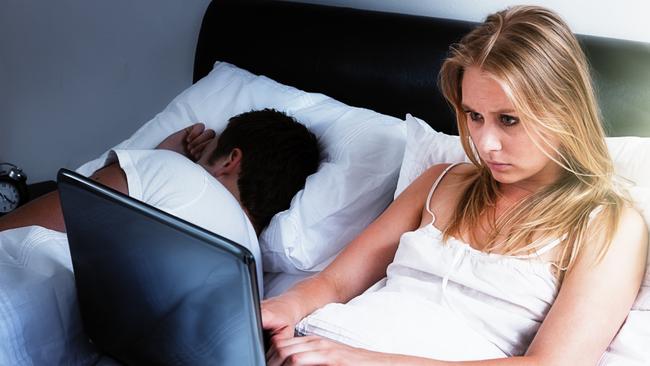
(632,216)
(446,176)
(441,185)
(628,241)
(632,226)
(420,187)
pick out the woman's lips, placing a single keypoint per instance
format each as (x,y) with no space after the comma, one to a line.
(498,166)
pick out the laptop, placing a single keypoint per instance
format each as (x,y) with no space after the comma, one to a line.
(157,290)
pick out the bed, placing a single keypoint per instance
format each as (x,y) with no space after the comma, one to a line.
(382,63)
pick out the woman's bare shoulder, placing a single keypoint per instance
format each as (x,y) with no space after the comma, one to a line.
(448,191)
(417,191)
(456,173)
(453,181)
(631,216)
(629,242)
(423,183)
(633,228)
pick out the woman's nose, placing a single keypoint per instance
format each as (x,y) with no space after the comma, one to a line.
(490,139)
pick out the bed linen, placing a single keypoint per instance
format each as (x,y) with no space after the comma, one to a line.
(41,323)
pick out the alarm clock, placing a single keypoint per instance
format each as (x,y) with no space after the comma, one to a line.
(13,187)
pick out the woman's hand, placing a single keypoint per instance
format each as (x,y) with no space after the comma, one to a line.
(314,350)
(190,141)
(279,317)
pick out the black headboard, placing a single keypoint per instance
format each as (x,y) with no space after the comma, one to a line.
(389,62)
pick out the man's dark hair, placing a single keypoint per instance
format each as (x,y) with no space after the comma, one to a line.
(278,154)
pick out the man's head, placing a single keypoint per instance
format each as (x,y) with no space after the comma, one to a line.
(265,156)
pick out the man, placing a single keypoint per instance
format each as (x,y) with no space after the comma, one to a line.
(230,184)
(262,159)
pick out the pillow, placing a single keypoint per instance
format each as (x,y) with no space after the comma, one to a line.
(426,147)
(362,153)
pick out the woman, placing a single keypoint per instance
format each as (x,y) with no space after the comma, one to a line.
(528,255)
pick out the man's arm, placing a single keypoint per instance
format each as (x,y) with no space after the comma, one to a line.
(190,141)
(46,211)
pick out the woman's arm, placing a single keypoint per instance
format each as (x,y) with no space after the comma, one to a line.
(361,264)
(595,298)
(588,311)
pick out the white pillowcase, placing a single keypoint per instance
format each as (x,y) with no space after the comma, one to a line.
(363,151)
(426,147)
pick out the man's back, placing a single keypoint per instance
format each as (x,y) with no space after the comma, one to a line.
(180,187)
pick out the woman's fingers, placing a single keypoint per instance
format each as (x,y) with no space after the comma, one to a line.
(292,350)
(279,334)
(315,350)
(307,359)
(275,320)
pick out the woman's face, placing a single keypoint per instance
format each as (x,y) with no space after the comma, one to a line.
(499,137)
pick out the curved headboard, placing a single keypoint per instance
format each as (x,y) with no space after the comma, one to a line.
(389,62)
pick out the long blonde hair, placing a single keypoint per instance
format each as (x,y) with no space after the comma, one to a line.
(538,62)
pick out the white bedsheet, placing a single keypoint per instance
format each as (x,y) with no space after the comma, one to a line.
(39,317)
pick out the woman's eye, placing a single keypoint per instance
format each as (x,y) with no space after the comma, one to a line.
(508,120)
(474,116)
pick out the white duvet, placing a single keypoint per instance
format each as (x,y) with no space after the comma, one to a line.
(39,317)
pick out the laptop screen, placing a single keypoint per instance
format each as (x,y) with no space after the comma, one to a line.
(154,289)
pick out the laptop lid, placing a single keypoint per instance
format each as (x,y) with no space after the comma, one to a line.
(155,289)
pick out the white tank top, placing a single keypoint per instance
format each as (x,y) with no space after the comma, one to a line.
(504,298)
(445,300)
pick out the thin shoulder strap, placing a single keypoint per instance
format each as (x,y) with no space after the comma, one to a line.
(552,244)
(433,188)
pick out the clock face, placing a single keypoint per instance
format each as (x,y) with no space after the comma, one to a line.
(9,197)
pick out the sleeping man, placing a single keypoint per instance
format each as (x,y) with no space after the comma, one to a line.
(230,184)
(239,181)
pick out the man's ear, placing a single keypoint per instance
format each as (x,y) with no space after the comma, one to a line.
(228,165)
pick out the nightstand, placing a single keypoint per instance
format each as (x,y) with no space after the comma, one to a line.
(35,190)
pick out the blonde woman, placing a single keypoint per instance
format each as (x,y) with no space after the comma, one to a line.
(530,255)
